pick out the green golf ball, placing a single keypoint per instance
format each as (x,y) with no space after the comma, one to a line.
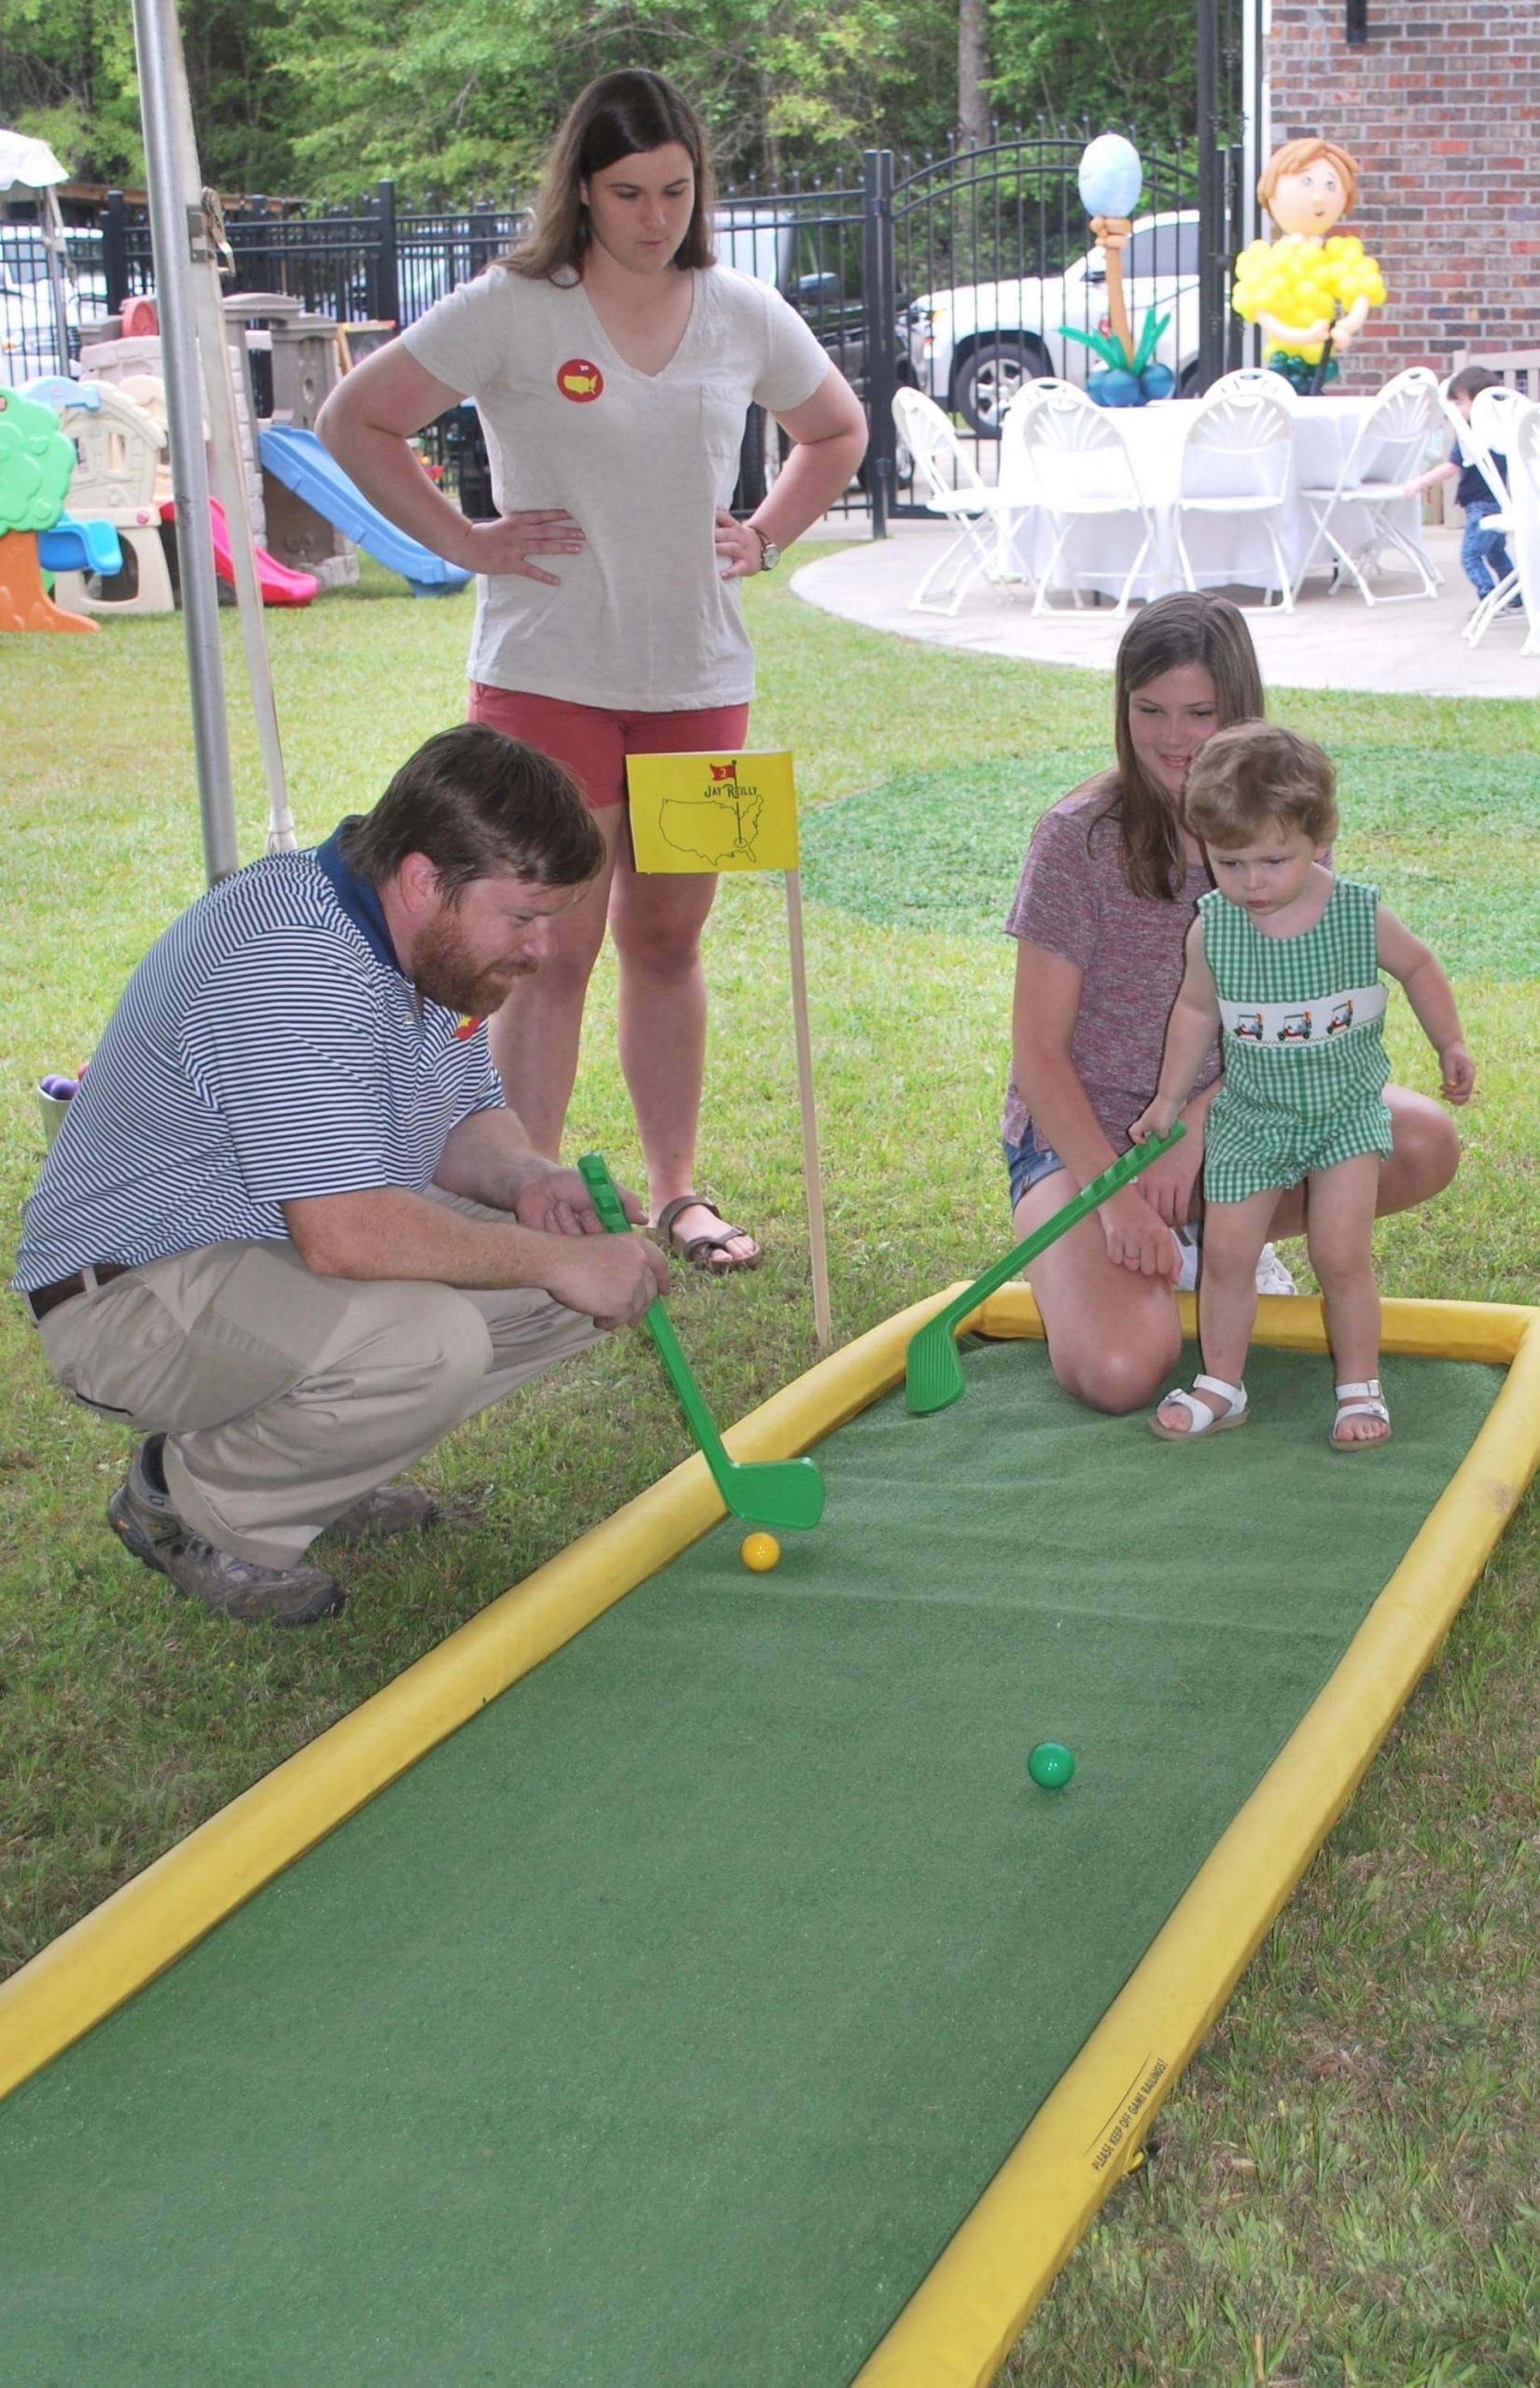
(1050,1765)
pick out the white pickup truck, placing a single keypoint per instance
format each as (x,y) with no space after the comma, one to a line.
(974,347)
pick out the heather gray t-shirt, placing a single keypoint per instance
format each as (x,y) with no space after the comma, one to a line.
(1073,899)
(641,621)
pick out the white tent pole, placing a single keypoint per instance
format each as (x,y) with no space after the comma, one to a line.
(53,241)
(812,1184)
(220,380)
(179,236)
(219,384)
(223,425)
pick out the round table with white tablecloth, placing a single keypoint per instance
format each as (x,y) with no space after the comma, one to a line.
(1225,550)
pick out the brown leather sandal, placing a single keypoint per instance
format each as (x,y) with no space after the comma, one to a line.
(696,1252)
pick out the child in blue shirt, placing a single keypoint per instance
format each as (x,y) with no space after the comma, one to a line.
(1482,552)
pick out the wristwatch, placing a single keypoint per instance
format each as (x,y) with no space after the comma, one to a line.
(769,554)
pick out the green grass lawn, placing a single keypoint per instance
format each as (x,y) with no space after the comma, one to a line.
(1344,2188)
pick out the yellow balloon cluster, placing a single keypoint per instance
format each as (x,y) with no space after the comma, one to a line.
(1301,282)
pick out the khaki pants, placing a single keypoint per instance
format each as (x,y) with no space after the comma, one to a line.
(284,1396)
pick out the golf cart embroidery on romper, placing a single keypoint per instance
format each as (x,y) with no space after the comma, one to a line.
(1305,1065)
(1315,1024)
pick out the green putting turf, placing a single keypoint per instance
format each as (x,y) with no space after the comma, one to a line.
(662,2025)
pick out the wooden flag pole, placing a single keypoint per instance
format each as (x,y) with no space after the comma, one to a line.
(822,1319)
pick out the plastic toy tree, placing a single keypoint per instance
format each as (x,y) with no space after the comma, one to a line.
(36,464)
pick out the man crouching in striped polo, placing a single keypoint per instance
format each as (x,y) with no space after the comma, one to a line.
(290,1231)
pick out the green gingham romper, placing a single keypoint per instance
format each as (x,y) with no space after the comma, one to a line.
(1304,1055)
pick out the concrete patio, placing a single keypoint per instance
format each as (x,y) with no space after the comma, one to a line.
(1412,649)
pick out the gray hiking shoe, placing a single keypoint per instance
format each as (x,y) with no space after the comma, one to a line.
(140,1512)
(142,1517)
(390,1509)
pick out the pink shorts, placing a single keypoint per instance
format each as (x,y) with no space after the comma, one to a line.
(593,743)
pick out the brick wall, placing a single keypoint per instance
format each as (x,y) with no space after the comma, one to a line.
(1441,108)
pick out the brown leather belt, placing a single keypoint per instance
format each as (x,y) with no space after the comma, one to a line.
(85,1280)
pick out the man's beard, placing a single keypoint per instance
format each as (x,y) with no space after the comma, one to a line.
(444,973)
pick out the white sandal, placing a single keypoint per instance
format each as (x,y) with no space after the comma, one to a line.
(1204,1420)
(1363,1400)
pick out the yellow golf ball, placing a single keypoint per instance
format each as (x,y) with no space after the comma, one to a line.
(761,1552)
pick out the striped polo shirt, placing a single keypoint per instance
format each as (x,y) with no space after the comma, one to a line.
(268,1048)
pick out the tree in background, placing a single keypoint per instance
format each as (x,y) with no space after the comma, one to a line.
(455,99)
(455,96)
(64,71)
(67,75)
(972,73)
(1116,61)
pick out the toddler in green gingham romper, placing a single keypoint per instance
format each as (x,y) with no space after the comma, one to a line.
(1300,1009)
(1313,1097)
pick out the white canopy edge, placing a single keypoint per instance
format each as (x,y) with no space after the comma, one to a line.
(27,166)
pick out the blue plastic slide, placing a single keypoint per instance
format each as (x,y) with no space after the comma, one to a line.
(90,546)
(298,459)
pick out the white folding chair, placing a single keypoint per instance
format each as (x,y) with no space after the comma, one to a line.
(950,482)
(1524,516)
(1490,432)
(1353,519)
(1235,461)
(1080,462)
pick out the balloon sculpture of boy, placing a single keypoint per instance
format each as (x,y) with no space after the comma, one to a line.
(1294,288)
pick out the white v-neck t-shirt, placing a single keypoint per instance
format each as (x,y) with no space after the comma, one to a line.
(641,621)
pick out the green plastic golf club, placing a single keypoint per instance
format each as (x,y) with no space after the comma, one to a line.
(786,1495)
(933,1373)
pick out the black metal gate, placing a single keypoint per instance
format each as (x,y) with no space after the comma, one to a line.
(974,273)
(992,251)
(1231,109)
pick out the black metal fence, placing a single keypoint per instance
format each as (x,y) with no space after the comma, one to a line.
(964,274)
(991,249)
(373,263)
(28,318)
(825,251)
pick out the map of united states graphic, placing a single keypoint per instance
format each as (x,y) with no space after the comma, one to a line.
(719,827)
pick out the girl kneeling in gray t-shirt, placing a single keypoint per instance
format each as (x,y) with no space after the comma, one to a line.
(1102,910)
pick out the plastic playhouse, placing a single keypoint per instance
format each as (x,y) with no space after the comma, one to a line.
(116,551)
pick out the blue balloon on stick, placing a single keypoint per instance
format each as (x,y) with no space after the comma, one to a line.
(1111,175)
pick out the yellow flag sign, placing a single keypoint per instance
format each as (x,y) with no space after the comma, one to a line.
(713,812)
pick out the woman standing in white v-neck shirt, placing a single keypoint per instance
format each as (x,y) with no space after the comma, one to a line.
(613,363)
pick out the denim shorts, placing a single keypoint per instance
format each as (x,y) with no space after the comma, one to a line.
(1028,1163)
